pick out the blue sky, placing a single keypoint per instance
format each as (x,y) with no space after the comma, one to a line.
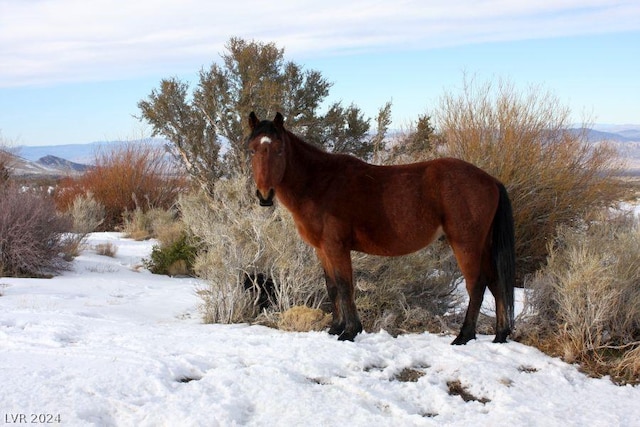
(73,71)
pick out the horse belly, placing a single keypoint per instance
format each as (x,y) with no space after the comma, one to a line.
(393,243)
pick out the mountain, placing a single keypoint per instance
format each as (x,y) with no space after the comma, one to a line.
(78,153)
(57,163)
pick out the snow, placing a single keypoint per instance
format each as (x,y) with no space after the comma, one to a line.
(110,344)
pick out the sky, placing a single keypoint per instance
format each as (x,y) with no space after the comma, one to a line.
(73,71)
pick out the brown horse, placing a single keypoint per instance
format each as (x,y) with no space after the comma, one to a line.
(342,204)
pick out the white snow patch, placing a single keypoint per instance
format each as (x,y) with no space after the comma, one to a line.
(110,344)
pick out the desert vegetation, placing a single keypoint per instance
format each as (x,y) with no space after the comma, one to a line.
(123,180)
(525,139)
(578,262)
(32,233)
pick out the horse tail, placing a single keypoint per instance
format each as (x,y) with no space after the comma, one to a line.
(503,251)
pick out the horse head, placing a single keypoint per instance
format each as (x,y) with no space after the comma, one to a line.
(268,159)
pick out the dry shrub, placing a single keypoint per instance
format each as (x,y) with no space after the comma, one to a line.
(152,223)
(411,293)
(585,304)
(87,214)
(239,238)
(106,249)
(303,319)
(553,175)
(32,234)
(130,177)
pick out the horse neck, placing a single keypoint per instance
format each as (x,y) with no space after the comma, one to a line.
(303,171)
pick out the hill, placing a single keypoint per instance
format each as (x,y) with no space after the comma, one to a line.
(57,163)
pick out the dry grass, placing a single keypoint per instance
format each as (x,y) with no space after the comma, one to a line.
(106,249)
(152,223)
(585,305)
(303,319)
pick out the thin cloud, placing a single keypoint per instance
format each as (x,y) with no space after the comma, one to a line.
(50,41)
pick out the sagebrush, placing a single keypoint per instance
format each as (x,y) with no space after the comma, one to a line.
(585,303)
(554,176)
(239,239)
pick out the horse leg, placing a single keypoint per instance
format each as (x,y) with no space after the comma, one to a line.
(470,261)
(475,289)
(502,317)
(339,279)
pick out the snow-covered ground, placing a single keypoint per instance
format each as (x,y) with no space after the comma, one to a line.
(110,344)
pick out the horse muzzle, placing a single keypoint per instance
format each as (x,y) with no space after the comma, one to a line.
(266,201)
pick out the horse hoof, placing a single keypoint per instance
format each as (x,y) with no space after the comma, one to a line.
(462,340)
(350,332)
(346,337)
(336,330)
(501,338)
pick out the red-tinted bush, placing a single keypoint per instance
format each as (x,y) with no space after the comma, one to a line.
(31,233)
(134,176)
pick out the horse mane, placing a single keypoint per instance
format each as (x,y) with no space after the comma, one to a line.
(302,147)
(319,154)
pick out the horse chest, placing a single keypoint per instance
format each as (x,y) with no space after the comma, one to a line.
(310,232)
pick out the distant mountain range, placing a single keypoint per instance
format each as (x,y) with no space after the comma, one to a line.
(63,160)
(70,159)
(77,153)
(47,166)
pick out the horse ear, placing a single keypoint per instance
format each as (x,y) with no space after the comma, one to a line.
(278,121)
(253,120)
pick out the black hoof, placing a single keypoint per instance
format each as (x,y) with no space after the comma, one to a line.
(347,336)
(462,340)
(501,337)
(350,332)
(336,329)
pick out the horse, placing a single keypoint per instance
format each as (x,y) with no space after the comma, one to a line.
(340,204)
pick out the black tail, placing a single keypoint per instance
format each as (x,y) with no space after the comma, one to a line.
(503,251)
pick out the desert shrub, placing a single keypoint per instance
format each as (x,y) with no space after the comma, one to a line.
(87,214)
(106,249)
(32,234)
(136,225)
(162,224)
(239,238)
(411,293)
(130,177)
(585,303)
(553,175)
(175,258)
